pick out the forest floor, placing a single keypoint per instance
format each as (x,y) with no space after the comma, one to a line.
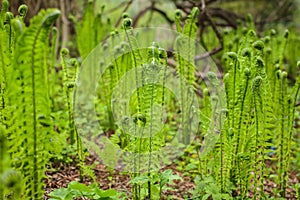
(60,174)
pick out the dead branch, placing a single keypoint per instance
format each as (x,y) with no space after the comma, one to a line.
(153,8)
(210,53)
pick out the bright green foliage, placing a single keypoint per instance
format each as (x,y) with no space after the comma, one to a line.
(291,53)
(25,95)
(91,30)
(185,47)
(10,180)
(52,76)
(68,85)
(259,115)
(141,130)
(207,187)
(28,97)
(8,28)
(76,190)
(185,54)
(70,68)
(158,182)
(257,122)
(147,102)
(11,185)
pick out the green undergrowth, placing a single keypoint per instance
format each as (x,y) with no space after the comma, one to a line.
(245,138)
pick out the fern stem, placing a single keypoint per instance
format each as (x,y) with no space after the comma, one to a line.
(256,100)
(116,63)
(178,20)
(288,142)
(64,53)
(190,74)
(241,113)
(240,123)
(256,145)
(136,70)
(282,170)
(35,164)
(281,104)
(112,82)
(79,147)
(181,74)
(10,35)
(52,65)
(2,154)
(163,55)
(234,90)
(221,156)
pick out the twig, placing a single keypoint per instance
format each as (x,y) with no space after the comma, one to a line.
(202,28)
(210,2)
(65,24)
(210,53)
(172,63)
(143,12)
(120,5)
(275,12)
(151,12)
(225,15)
(203,5)
(215,28)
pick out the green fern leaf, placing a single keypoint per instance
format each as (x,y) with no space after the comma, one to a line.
(29,104)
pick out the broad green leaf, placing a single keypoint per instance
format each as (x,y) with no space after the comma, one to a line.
(140,180)
(74,185)
(61,194)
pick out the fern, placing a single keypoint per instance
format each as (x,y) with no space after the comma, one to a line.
(178,16)
(85,29)
(51,69)
(258,160)
(284,136)
(251,118)
(139,112)
(68,83)
(185,53)
(6,33)
(91,31)
(27,96)
(257,120)
(185,47)
(152,70)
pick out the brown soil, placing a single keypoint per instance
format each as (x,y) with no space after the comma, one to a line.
(60,174)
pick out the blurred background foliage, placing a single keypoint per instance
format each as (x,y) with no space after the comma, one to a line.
(224,13)
(216,16)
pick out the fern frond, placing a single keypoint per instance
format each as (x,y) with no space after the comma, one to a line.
(27,92)
(86,29)
(178,20)
(91,31)
(185,52)
(68,85)
(135,53)
(4,10)
(185,47)
(258,160)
